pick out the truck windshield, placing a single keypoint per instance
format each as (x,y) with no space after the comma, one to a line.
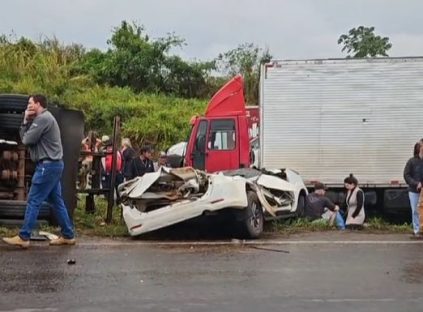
(222,135)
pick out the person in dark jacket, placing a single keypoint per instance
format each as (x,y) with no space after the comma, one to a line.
(128,154)
(320,207)
(413,175)
(142,164)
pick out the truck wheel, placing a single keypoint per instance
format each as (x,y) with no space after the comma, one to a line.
(13,102)
(300,212)
(252,219)
(16,210)
(10,121)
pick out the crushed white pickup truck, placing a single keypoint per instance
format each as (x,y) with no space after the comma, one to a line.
(170,196)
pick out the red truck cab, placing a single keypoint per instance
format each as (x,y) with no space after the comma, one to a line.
(221,139)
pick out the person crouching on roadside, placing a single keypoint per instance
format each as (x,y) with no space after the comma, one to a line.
(413,175)
(354,203)
(320,207)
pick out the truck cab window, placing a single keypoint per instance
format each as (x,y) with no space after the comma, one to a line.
(222,135)
(200,140)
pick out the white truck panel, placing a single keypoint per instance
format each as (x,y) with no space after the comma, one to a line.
(328,118)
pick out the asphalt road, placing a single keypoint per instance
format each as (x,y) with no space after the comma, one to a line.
(302,273)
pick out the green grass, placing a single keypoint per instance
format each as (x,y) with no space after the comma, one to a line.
(292,226)
(92,224)
(378,225)
(373,225)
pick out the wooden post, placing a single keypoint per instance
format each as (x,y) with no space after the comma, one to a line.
(89,204)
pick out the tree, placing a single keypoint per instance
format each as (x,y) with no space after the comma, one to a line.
(362,42)
(245,60)
(145,65)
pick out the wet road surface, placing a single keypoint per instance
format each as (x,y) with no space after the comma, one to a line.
(307,273)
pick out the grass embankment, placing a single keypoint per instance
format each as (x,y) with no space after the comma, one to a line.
(372,225)
(51,69)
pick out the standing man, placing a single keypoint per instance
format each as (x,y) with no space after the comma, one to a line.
(142,164)
(40,132)
(413,175)
(320,207)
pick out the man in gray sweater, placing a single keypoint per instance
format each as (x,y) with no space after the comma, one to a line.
(41,134)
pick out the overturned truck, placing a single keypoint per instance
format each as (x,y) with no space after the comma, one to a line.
(169,196)
(16,167)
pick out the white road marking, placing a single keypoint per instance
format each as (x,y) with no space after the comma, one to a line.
(31,310)
(363,300)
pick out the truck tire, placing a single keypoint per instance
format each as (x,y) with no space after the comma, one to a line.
(13,102)
(10,121)
(16,210)
(300,212)
(252,220)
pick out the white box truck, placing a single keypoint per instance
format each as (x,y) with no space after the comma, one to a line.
(329,118)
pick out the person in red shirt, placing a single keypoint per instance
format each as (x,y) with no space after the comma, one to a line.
(107,166)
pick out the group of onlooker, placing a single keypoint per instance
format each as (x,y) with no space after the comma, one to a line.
(350,214)
(129,163)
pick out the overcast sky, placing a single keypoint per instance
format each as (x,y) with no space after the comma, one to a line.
(291,29)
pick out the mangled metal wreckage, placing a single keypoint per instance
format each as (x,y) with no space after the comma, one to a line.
(170,196)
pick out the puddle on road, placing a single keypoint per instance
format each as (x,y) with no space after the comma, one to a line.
(413,273)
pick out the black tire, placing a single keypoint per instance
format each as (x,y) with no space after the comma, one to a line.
(16,209)
(300,212)
(252,221)
(10,121)
(13,102)
(19,223)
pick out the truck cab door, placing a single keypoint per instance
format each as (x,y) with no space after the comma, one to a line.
(198,155)
(222,145)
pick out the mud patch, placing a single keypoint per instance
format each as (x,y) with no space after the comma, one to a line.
(413,273)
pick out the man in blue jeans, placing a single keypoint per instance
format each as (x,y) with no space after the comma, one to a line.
(413,175)
(40,132)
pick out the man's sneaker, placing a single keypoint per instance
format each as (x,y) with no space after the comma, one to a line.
(62,241)
(16,241)
(416,236)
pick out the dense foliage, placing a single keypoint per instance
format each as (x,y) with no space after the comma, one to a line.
(154,91)
(245,60)
(53,69)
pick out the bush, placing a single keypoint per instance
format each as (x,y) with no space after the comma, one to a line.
(51,68)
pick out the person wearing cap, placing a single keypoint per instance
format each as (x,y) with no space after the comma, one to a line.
(162,161)
(320,207)
(105,141)
(142,164)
